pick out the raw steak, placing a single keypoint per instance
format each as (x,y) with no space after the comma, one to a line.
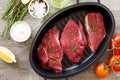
(50,52)
(73,40)
(96,30)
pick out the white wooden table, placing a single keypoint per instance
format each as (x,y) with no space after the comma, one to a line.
(22,69)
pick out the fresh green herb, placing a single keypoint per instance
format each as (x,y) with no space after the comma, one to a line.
(7,27)
(74,47)
(50,44)
(91,25)
(8,8)
(53,58)
(93,28)
(15,9)
(17,13)
(118,62)
(22,13)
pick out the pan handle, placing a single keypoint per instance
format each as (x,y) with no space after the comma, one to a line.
(56,79)
(77,1)
(99,1)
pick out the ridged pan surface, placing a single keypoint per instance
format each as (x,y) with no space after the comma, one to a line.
(59,19)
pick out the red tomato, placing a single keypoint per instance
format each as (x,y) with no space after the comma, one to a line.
(117,51)
(101,70)
(116,43)
(114,63)
(116,39)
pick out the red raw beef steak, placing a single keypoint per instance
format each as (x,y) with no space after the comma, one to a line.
(73,40)
(50,52)
(95,28)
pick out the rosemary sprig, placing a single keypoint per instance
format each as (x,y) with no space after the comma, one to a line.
(22,13)
(8,8)
(7,27)
(93,28)
(14,9)
(17,13)
(74,47)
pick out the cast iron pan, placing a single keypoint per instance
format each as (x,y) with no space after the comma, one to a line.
(77,12)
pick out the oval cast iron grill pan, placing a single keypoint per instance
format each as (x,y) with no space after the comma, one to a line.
(59,19)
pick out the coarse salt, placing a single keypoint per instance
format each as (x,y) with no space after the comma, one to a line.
(38,8)
(20,31)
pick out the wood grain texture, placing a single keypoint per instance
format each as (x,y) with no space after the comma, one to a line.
(22,69)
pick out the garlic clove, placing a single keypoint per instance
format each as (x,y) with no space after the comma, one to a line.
(25,1)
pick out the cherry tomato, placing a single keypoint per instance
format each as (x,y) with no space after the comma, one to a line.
(116,42)
(101,70)
(117,51)
(116,39)
(114,63)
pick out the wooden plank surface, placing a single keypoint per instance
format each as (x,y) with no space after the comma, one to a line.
(22,69)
